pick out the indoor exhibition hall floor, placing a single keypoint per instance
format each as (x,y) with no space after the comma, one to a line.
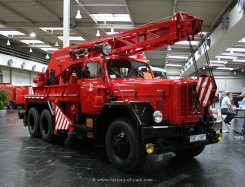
(27,161)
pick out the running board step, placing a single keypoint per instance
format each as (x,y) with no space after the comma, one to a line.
(83,128)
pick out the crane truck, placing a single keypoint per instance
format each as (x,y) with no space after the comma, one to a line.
(103,91)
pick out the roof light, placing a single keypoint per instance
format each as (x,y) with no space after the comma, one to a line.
(173,65)
(178,57)
(33,34)
(98,33)
(32,41)
(223,68)
(8,42)
(235,49)
(169,48)
(47,56)
(242,40)
(187,43)
(226,57)
(112,17)
(30,50)
(78,16)
(49,49)
(13,33)
(74,38)
(218,62)
(56,44)
(238,60)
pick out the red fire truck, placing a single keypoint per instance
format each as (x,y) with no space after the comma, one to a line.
(96,90)
(16,97)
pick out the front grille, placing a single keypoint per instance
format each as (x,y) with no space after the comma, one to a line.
(183,100)
(189,103)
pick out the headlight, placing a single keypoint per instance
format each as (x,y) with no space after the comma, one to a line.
(106,49)
(157,116)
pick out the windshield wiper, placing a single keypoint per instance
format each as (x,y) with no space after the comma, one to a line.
(139,73)
(112,71)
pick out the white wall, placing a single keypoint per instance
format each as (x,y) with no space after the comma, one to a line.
(19,77)
(16,74)
(232,84)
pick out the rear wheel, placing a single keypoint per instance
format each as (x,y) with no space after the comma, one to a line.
(189,153)
(33,122)
(46,126)
(123,146)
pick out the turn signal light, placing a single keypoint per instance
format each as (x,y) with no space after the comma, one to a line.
(150,148)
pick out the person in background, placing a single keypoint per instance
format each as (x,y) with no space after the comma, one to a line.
(227,109)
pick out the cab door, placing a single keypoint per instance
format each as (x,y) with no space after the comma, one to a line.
(92,91)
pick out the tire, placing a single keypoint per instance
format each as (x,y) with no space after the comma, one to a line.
(46,126)
(33,122)
(123,146)
(189,153)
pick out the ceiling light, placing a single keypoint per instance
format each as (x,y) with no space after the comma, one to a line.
(56,44)
(30,50)
(13,33)
(234,72)
(242,40)
(187,43)
(178,57)
(32,41)
(52,28)
(8,42)
(74,38)
(112,17)
(226,57)
(47,56)
(242,70)
(33,34)
(98,33)
(203,67)
(78,16)
(173,65)
(218,62)
(225,68)
(238,60)
(49,49)
(169,48)
(235,49)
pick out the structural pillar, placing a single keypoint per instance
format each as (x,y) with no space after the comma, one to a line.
(66,23)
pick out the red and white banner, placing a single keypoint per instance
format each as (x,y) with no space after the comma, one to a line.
(206,88)
(61,121)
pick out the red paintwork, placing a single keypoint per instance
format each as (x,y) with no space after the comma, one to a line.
(17,93)
(88,96)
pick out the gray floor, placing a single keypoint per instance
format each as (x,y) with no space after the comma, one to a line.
(26,161)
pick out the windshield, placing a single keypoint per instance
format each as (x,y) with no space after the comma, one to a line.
(128,69)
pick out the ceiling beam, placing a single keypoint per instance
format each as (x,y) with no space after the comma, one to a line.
(27,20)
(216,21)
(129,12)
(46,10)
(78,24)
(174,7)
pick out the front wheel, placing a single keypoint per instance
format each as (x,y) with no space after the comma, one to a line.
(33,122)
(46,126)
(189,153)
(123,146)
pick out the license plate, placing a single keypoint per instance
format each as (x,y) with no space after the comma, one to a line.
(196,138)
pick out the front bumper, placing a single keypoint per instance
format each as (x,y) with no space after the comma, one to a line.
(172,138)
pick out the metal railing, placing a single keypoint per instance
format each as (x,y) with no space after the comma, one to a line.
(22,54)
